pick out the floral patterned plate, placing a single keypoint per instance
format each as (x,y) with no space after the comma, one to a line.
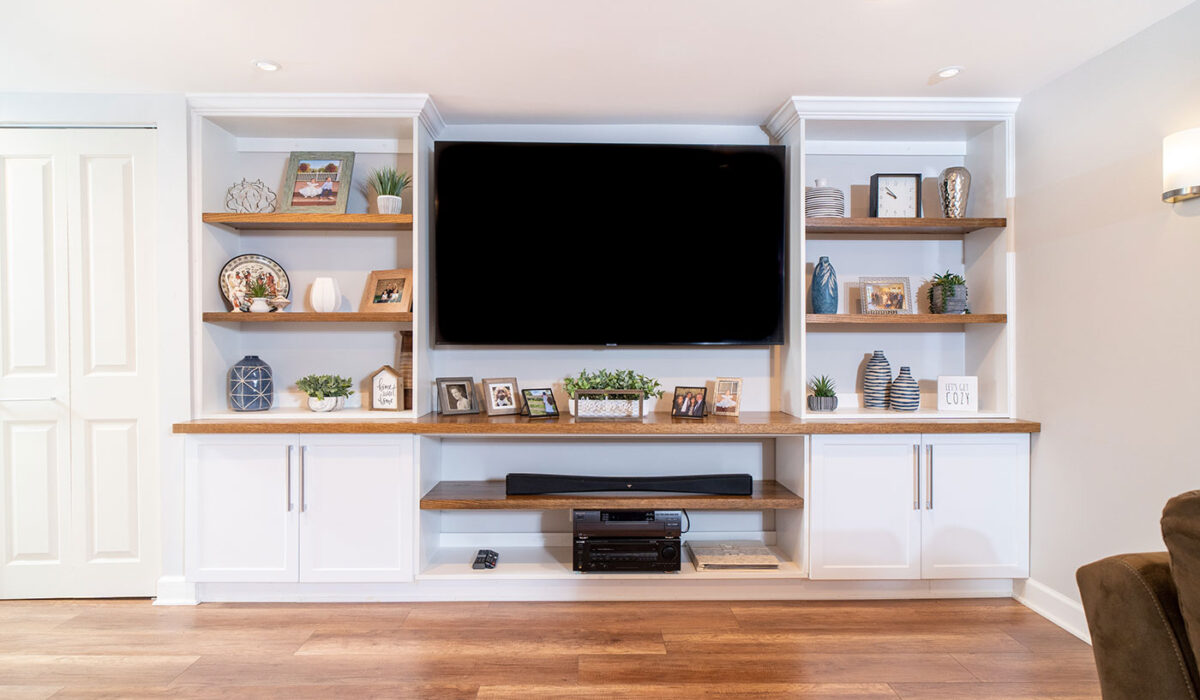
(245,270)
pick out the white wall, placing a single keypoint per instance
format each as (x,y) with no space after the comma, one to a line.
(1108,330)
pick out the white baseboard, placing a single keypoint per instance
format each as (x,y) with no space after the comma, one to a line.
(174,590)
(1054,606)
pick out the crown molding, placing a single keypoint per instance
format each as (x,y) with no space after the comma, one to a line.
(789,114)
(317,104)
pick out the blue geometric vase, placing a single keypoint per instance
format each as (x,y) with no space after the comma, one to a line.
(251,387)
(824,288)
(875,381)
(904,395)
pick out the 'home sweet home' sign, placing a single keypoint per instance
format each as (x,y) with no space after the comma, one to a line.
(958,394)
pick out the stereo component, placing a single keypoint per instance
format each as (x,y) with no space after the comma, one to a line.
(626,540)
(713,484)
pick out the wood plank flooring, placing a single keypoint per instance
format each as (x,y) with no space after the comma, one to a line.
(844,650)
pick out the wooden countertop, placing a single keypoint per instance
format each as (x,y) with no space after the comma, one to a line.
(749,423)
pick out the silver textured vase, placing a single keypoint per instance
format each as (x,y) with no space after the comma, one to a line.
(954,185)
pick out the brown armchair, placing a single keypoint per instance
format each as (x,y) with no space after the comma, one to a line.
(1143,611)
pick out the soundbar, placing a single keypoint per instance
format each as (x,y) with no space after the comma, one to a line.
(714,484)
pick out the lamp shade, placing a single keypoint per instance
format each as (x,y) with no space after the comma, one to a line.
(1181,165)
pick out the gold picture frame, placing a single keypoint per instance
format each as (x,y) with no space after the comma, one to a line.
(728,393)
(388,291)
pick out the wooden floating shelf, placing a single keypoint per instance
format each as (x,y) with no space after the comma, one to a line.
(901,319)
(900,227)
(489,495)
(754,423)
(310,222)
(307,317)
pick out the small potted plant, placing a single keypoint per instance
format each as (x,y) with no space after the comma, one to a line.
(824,394)
(259,303)
(614,404)
(326,392)
(948,294)
(388,184)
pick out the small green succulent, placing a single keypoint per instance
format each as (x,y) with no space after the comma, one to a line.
(387,181)
(823,386)
(258,289)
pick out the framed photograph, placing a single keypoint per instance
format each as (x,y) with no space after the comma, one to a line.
(456,395)
(387,390)
(500,396)
(885,295)
(689,401)
(317,182)
(728,391)
(388,290)
(539,403)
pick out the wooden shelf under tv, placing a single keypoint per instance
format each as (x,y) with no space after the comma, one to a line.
(308,317)
(310,222)
(842,320)
(490,495)
(898,227)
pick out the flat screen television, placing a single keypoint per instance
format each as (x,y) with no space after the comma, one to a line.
(608,244)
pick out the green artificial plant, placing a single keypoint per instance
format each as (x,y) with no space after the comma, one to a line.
(615,379)
(386,181)
(823,386)
(323,386)
(947,282)
(258,289)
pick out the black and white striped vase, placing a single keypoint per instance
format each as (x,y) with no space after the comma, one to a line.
(904,393)
(875,381)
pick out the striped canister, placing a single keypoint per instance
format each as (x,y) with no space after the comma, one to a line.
(904,393)
(875,381)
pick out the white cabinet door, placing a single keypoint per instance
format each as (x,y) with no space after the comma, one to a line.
(976,506)
(864,519)
(242,509)
(357,508)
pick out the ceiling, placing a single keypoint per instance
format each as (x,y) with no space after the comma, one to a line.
(684,61)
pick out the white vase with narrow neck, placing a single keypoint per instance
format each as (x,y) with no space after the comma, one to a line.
(324,296)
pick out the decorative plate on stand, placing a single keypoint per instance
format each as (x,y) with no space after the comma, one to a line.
(245,270)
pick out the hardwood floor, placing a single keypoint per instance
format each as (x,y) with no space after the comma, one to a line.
(845,650)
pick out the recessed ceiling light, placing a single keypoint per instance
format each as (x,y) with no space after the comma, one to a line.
(949,71)
(269,66)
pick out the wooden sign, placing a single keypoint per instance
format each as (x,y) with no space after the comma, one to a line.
(387,390)
(958,394)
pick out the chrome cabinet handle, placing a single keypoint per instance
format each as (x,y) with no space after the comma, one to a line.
(929,477)
(288,472)
(303,500)
(916,477)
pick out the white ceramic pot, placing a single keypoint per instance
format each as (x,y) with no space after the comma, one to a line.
(388,204)
(324,295)
(260,305)
(330,403)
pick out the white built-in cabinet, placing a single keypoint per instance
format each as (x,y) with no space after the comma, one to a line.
(919,506)
(287,508)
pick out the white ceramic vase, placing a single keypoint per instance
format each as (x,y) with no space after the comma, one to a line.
(324,295)
(259,305)
(329,403)
(389,204)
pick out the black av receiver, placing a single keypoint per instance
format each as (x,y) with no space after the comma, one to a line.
(626,540)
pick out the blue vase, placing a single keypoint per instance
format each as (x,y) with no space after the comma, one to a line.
(251,387)
(824,288)
(875,381)
(904,394)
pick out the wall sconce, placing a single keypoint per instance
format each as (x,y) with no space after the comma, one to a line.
(1181,166)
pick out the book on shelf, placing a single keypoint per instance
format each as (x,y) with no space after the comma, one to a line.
(731,554)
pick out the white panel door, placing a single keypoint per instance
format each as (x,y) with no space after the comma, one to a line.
(976,506)
(242,510)
(113,391)
(357,507)
(865,522)
(77,348)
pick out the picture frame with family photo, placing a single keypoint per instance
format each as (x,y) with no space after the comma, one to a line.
(388,291)
(456,396)
(689,402)
(501,396)
(885,296)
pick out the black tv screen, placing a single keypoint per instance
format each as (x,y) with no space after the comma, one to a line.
(608,244)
